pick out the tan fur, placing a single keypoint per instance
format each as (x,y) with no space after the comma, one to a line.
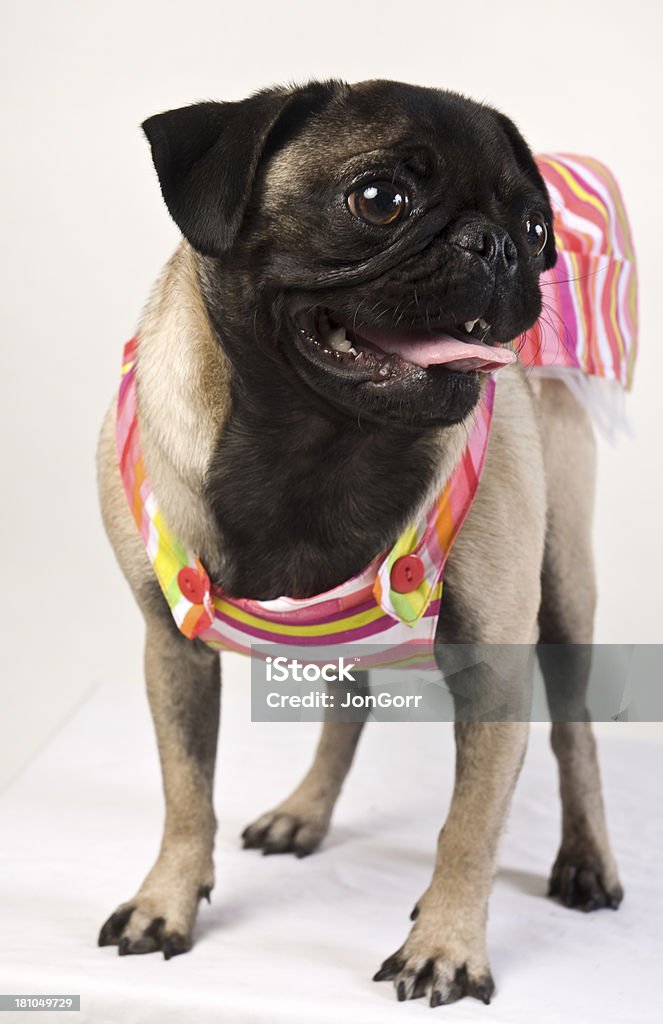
(183,403)
(301,821)
(183,399)
(567,616)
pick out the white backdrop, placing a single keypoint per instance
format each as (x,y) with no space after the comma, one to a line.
(85,233)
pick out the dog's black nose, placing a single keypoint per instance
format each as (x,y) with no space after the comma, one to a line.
(490,242)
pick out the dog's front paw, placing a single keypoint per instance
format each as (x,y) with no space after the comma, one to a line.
(136,928)
(582,881)
(284,830)
(438,963)
(161,915)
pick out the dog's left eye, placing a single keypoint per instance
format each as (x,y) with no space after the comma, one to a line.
(379,202)
(537,233)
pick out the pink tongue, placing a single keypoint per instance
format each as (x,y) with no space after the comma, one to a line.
(424,350)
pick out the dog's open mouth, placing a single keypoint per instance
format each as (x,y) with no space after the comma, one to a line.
(379,353)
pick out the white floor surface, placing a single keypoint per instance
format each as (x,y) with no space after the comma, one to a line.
(298,941)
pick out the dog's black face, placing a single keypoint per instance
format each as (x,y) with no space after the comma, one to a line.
(379,243)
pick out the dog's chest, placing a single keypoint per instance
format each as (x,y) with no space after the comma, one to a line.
(301,510)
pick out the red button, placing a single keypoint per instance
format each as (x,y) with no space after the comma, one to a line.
(406,574)
(193,586)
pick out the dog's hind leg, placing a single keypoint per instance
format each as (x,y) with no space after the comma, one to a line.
(183,685)
(300,822)
(584,874)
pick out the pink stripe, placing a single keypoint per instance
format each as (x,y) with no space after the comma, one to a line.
(401,651)
(309,613)
(125,417)
(126,382)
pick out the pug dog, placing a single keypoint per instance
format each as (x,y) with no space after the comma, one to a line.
(287,461)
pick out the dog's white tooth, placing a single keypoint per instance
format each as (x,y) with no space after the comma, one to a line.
(483,324)
(353,351)
(337,340)
(469,325)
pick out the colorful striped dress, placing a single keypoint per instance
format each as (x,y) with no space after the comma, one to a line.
(390,609)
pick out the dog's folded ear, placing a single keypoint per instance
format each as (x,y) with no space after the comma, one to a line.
(206,156)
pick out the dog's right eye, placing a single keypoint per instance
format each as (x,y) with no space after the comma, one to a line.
(379,202)
(537,232)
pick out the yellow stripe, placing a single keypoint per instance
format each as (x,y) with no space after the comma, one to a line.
(633,308)
(166,563)
(619,207)
(613,310)
(581,193)
(351,622)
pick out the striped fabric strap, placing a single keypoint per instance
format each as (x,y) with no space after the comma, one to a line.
(432,537)
(589,319)
(180,573)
